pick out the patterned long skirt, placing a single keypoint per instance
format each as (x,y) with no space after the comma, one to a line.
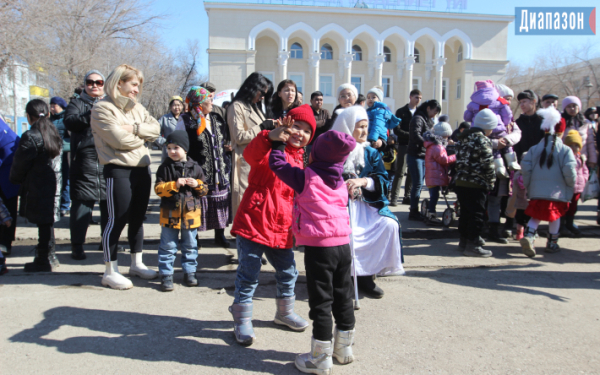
(216,209)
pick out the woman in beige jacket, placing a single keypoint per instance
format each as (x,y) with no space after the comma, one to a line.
(121,126)
(246,119)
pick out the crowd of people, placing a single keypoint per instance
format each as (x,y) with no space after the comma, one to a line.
(287,176)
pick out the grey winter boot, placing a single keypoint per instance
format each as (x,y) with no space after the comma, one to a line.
(318,361)
(287,317)
(242,323)
(475,250)
(494,235)
(528,242)
(342,345)
(552,243)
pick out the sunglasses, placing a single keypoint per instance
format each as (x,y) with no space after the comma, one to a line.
(91,82)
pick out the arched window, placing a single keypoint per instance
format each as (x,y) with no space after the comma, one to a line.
(388,54)
(296,51)
(326,52)
(357,51)
(417,55)
(459,54)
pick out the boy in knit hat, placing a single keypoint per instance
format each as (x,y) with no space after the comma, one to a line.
(381,119)
(573,140)
(475,178)
(179,184)
(437,162)
(321,225)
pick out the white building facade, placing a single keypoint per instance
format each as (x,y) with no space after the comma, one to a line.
(322,47)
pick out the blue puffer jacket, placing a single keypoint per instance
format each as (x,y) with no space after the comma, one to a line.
(380,120)
(555,183)
(9,142)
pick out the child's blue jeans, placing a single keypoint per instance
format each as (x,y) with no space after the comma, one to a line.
(250,254)
(167,250)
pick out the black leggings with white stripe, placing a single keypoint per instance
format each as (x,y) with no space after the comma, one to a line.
(127,197)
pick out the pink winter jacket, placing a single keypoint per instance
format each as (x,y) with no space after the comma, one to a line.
(436,161)
(583,174)
(320,215)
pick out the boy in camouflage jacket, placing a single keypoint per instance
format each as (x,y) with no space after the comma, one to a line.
(475,178)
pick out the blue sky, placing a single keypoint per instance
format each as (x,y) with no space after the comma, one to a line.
(187,19)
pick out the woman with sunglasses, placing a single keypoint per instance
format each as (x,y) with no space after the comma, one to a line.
(246,119)
(86,178)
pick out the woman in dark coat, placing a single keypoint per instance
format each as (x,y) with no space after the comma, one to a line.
(421,122)
(210,149)
(36,166)
(86,178)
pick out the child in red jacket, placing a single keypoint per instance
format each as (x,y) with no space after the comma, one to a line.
(262,224)
(436,166)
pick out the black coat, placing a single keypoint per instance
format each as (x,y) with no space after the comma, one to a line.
(402,131)
(531,133)
(418,126)
(86,172)
(39,177)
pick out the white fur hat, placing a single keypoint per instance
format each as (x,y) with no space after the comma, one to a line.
(347,119)
(551,117)
(348,86)
(504,90)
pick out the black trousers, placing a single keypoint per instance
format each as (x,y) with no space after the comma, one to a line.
(81,214)
(401,171)
(521,218)
(45,238)
(7,234)
(127,197)
(329,287)
(472,211)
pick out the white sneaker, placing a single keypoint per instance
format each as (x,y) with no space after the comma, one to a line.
(112,278)
(342,349)
(318,361)
(138,268)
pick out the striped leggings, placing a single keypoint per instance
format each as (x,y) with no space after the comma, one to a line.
(127,198)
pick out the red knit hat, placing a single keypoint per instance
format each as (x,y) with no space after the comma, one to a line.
(304,113)
(561,126)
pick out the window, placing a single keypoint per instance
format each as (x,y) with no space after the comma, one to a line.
(326,85)
(23,77)
(388,54)
(298,80)
(386,82)
(416,85)
(445,85)
(296,51)
(326,52)
(357,82)
(417,55)
(357,51)
(458,88)
(460,54)
(269,75)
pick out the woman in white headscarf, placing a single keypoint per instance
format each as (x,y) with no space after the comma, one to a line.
(376,231)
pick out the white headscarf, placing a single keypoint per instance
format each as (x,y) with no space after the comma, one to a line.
(345,123)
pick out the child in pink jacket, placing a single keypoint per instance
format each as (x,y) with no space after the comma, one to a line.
(437,162)
(322,225)
(486,96)
(573,139)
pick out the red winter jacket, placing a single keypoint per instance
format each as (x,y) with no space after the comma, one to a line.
(436,161)
(265,213)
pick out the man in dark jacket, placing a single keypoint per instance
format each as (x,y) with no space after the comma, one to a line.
(86,173)
(405,114)
(529,122)
(57,115)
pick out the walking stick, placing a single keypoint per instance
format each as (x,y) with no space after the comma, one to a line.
(356,301)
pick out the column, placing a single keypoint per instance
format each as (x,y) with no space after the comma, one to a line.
(379,60)
(439,72)
(409,62)
(347,60)
(282,61)
(313,63)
